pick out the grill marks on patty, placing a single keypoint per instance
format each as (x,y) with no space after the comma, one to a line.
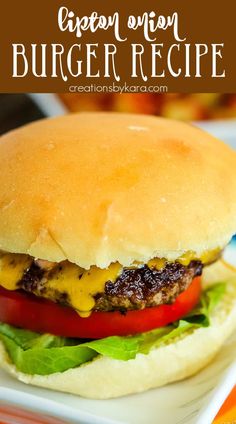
(145,287)
(35,280)
(133,289)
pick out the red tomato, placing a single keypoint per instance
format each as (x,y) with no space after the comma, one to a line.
(33,313)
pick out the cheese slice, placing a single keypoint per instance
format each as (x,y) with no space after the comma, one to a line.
(12,268)
(206,257)
(78,285)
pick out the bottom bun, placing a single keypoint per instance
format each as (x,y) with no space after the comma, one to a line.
(105,378)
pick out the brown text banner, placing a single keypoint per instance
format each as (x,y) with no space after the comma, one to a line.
(106,46)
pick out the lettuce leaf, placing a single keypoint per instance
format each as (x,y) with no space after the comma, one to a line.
(44,354)
(153,339)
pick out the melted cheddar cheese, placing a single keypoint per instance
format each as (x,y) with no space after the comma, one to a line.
(79,285)
(155,263)
(206,257)
(12,268)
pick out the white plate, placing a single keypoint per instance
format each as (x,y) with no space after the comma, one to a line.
(192,401)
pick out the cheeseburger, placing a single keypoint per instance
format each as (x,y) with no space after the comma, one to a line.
(107,224)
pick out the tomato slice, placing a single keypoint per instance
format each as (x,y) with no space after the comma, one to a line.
(33,313)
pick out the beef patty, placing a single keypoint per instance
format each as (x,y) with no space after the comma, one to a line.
(136,288)
(144,287)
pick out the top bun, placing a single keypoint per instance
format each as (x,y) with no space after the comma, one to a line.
(96,188)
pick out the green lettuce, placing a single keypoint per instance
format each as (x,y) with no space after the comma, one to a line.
(44,354)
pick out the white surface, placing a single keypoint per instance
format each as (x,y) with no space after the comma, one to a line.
(193,401)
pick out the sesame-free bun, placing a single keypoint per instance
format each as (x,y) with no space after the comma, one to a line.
(105,378)
(96,188)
